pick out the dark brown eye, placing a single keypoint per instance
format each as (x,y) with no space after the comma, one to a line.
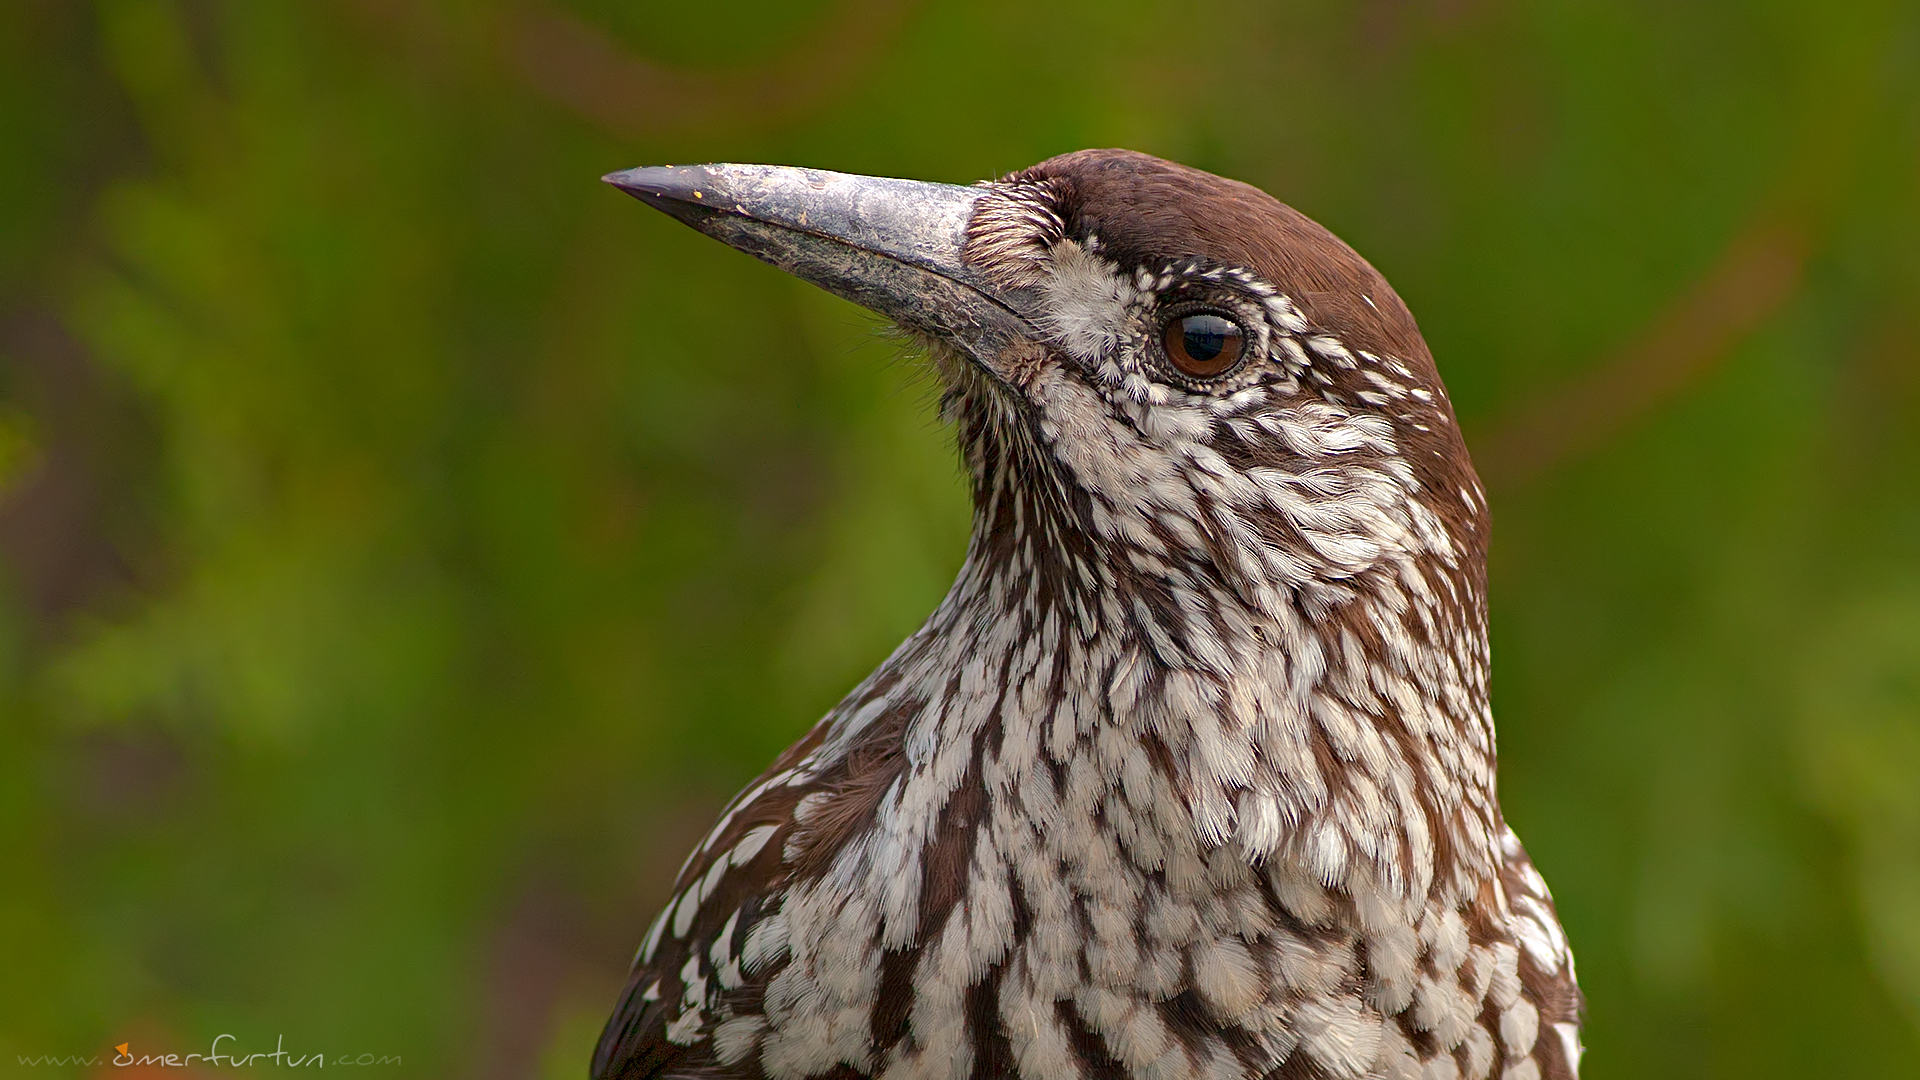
(1202,344)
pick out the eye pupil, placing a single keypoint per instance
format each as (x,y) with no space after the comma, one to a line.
(1204,337)
(1203,344)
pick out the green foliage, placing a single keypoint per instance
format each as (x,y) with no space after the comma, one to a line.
(406,542)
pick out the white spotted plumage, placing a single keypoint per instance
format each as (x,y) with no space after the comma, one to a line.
(1189,775)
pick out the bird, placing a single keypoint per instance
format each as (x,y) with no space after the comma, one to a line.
(1191,774)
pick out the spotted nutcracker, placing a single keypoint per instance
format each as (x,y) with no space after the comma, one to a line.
(1192,772)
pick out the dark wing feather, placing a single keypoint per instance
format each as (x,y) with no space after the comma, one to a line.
(695,957)
(699,968)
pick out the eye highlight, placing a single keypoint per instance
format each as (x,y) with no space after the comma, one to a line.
(1203,344)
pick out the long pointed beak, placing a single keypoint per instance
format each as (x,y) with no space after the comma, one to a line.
(893,246)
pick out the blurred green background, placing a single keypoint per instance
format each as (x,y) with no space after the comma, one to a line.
(407,543)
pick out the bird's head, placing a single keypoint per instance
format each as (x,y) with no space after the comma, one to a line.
(1157,374)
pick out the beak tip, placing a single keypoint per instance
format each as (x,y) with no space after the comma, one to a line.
(688,193)
(681,183)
